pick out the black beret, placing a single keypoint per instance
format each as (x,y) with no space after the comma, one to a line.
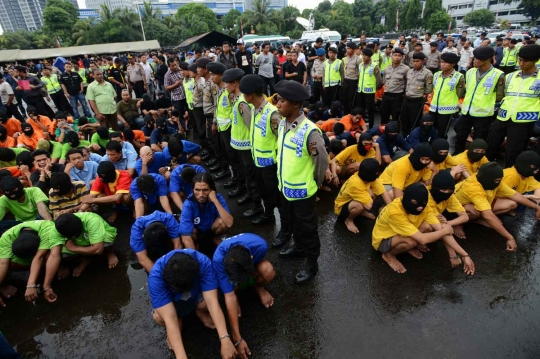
(232,74)
(183,65)
(483,34)
(332,49)
(499,38)
(513,41)
(203,62)
(450,57)
(352,45)
(193,67)
(367,52)
(530,52)
(418,55)
(434,43)
(399,51)
(251,83)
(525,37)
(483,53)
(292,90)
(216,67)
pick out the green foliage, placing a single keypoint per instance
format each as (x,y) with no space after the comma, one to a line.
(59,17)
(531,8)
(431,7)
(196,19)
(231,21)
(413,14)
(439,21)
(504,24)
(482,17)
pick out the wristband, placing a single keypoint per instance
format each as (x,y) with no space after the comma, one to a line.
(32,286)
(46,289)
(238,342)
(224,336)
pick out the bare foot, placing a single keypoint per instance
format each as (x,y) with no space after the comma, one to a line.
(511,213)
(112,259)
(350,226)
(422,248)
(205,318)
(317,199)
(7,290)
(266,298)
(63,272)
(394,263)
(367,214)
(484,223)
(113,217)
(459,232)
(80,268)
(416,253)
(455,262)
(325,188)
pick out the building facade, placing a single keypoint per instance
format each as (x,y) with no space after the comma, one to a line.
(21,14)
(459,8)
(112,4)
(220,7)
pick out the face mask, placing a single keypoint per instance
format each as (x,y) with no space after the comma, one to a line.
(422,150)
(487,175)
(369,170)
(442,181)
(524,162)
(13,189)
(28,131)
(425,128)
(106,172)
(417,192)
(440,144)
(391,127)
(476,144)
(63,187)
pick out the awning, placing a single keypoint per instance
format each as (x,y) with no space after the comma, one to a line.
(212,38)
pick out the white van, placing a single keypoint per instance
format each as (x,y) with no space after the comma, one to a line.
(325,34)
(249,40)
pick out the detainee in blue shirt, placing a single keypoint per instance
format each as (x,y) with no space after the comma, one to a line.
(425,132)
(79,169)
(152,162)
(126,146)
(205,214)
(153,236)
(181,182)
(149,193)
(122,160)
(189,154)
(91,156)
(391,141)
(181,282)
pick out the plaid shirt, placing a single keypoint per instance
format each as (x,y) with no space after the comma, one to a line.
(172,77)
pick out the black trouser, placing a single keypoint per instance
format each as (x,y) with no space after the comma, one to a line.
(507,69)
(300,219)
(229,154)
(464,126)
(181,106)
(317,91)
(61,102)
(441,123)
(39,103)
(200,119)
(412,108)
(348,91)
(391,105)
(517,139)
(249,177)
(331,94)
(367,102)
(192,121)
(268,82)
(269,189)
(118,91)
(13,111)
(138,87)
(211,138)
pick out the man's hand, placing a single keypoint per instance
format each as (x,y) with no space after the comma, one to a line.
(147,158)
(242,350)
(31,294)
(126,125)
(335,180)
(50,296)
(213,197)
(24,169)
(88,200)
(32,87)
(19,88)
(162,171)
(468,265)
(511,245)
(70,245)
(448,228)
(214,129)
(68,167)
(95,147)
(441,218)
(227,348)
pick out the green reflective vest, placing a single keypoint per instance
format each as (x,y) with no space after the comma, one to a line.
(521,102)
(52,83)
(295,165)
(481,95)
(376,58)
(189,84)
(332,73)
(239,130)
(367,81)
(385,62)
(445,99)
(223,111)
(263,140)
(82,74)
(538,64)
(509,57)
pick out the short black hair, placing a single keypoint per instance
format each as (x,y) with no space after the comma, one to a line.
(206,178)
(60,114)
(155,237)
(73,151)
(146,183)
(114,146)
(336,146)
(175,148)
(128,133)
(338,128)
(7,154)
(187,174)
(181,272)
(238,264)
(26,245)
(25,158)
(115,134)
(357,111)
(38,152)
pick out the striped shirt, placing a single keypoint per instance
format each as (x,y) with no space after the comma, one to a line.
(58,202)
(170,79)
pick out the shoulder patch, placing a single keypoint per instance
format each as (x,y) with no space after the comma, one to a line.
(312,147)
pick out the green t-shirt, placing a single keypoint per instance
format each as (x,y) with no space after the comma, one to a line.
(27,210)
(91,120)
(66,147)
(13,163)
(98,140)
(58,131)
(95,230)
(56,150)
(43,229)
(103,94)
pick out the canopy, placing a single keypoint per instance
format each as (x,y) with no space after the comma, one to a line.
(135,46)
(212,38)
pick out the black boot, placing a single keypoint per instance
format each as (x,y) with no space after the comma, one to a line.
(222,174)
(216,167)
(291,250)
(237,192)
(309,272)
(230,183)
(204,156)
(254,211)
(203,153)
(280,240)
(244,200)
(264,219)
(212,162)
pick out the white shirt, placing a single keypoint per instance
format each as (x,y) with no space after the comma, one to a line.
(5,91)
(466,55)
(478,42)
(452,50)
(301,57)
(148,70)
(426,47)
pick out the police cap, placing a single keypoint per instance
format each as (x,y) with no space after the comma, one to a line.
(399,51)
(418,55)
(530,52)
(216,68)
(292,90)
(450,57)
(367,52)
(203,62)
(483,53)
(232,74)
(251,83)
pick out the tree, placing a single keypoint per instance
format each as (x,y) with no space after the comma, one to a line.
(261,11)
(363,8)
(288,15)
(482,17)
(531,8)
(439,21)
(197,18)
(504,24)
(431,7)
(413,14)
(59,17)
(230,21)
(391,8)
(82,32)
(148,12)
(324,6)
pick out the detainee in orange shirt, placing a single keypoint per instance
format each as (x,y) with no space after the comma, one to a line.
(42,125)
(12,125)
(354,122)
(28,138)
(5,140)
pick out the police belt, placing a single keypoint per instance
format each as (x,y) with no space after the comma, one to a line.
(414,99)
(393,94)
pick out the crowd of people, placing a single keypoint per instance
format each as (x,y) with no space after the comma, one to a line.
(276,126)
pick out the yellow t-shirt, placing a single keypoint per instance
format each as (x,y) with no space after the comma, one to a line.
(472,167)
(451,205)
(471,191)
(513,180)
(351,155)
(401,174)
(393,220)
(449,162)
(354,189)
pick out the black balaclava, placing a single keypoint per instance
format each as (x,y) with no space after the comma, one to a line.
(487,175)
(3,133)
(3,115)
(476,144)
(319,108)
(61,182)
(442,180)
(12,187)
(161,124)
(149,122)
(369,170)
(336,108)
(422,150)
(103,132)
(73,139)
(106,172)
(25,158)
(417,192)
(26,244)
(423,127)
(146,97)
(391,127)
(27,129)
(524,162)
(440,144)
(363,150)
(69,225)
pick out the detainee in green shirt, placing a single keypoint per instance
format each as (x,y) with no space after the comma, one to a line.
(85,234)
(28,245)
(54,148)
(26,204)
(8,155)
(72,141)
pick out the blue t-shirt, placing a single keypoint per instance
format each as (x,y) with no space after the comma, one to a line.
(327,115)
(147,131)
(157,137)
(137,229)
(152,198)
(176,183)
(256,246)
(189,147)
(161,294)
(200,216)
(416,137)
(160,160)
(388,148)
(347,137)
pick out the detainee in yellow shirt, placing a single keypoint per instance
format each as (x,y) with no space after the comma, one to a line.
(472,159)
(521,177)
(355,197)
(444,160)
(481,196)
(409,222)
(348,161)
(408,170)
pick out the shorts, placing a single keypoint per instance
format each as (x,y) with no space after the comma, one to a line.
(385,246)
(388,187)
(185,307)
(344,211)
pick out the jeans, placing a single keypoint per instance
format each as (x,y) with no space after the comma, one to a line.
(80,98)
(139,123)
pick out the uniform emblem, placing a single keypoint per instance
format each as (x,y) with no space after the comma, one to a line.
(197,220)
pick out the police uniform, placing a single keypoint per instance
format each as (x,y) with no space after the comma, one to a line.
(351,65)
(386,60)
(433,62)
(117,73)
(205,117)
(302,162)
(510,58)
(520,109)
(317,73)
(55,92)
(189,86)
(419,85)
(395,80)
(332,79)
(369,80)
(482,92)
(198,112)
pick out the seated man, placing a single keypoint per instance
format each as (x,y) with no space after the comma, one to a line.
(477,194)
(180,282)
(28,138)
(425,132)
(135,138)
(26,165)
(444,160)
(90,156)
(153,236)
(72,141)
(12,125)
(6,141)
(121,159)
(66,196)
(408,170)
(26,204)
(85,234)
(148,127)
(354,122)
(521,177)
(344,136)
(44,168)
(472,159)
(126,146)
(149,193)
(348,161)
(53,147)
(127,111)
(160,135)
(239,262)
(42,125)
(8,156)
(110,187)
(391,141)
(100,139)
(27,246)
(189,151)
(205,214)
(409,222)
(153,162)
(181,182)
(354,198)
(79,169)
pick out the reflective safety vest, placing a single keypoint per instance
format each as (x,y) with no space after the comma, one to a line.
(82,74)
(522,98)
(52,83)
(367,81)
(239,130)
(445,99)
(263,140)
(223,111)
(481,95)
(538,64)
(189,85)
(295,163)
(509,57)
(385,61)
(332,73)
(376,58)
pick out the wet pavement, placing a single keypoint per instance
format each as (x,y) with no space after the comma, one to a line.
(356,307)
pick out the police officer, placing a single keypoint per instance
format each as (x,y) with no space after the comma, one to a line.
(332,77)
(448,88)
(351,64)
(419,85)
(395,79)
(510,57)
(54,89)
(484,87)
(520,108)
(369,80)
(386,58)
(302,163)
